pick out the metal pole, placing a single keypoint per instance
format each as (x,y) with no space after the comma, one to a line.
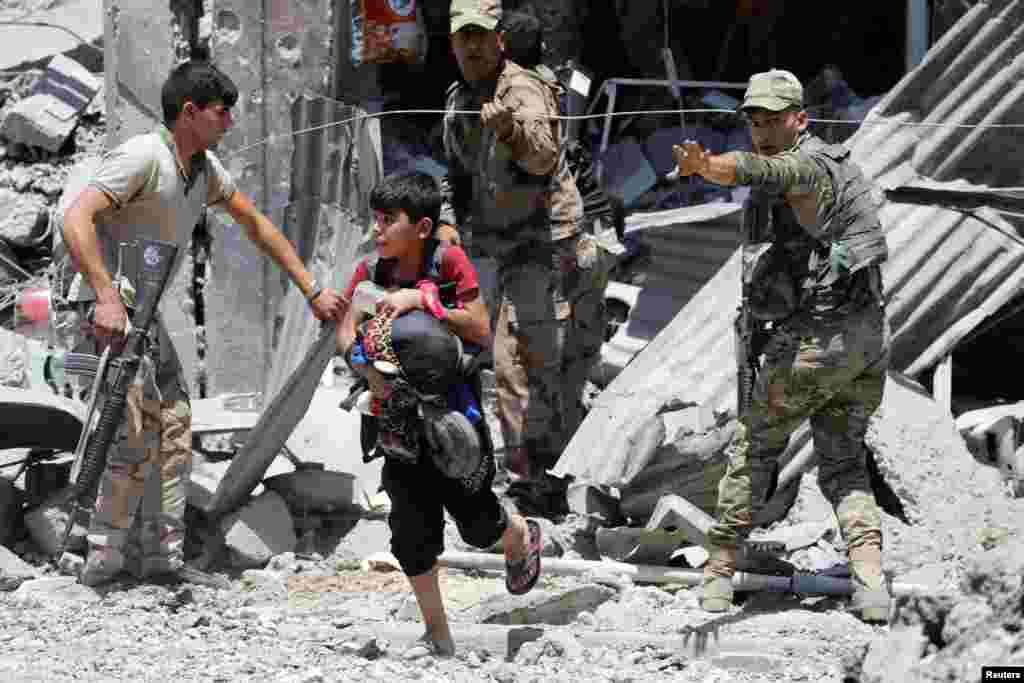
(917,32)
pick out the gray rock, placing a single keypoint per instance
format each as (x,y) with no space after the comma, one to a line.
(46,523)
(14,571)
(996,573)
(259,531)
(964,616)
(542,607)
(24,218)
(890,658)
(55,591)
(48,116)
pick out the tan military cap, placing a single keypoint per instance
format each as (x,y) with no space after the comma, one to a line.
(773,90)
(484,13)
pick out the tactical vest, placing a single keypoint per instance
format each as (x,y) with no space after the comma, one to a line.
(546,184)
(786,267)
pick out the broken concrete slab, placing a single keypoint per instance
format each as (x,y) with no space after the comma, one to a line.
(676,513)
(542,607)
(228,413)
(55,591)
(205,478)
(592,501)
(259,531)
(14,571)
(47,117)
(24,218)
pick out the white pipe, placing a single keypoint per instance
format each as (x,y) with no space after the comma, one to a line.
(804,584)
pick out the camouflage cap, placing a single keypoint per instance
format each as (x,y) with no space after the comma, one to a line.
(483,13)
(773,90)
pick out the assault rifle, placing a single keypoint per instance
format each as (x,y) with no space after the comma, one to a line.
(155,260)
(751,335)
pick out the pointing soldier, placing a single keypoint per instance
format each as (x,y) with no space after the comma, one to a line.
(813,290)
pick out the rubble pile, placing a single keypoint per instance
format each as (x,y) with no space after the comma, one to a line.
(42,138)
(942,639)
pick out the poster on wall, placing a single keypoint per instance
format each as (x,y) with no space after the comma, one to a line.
(387,31)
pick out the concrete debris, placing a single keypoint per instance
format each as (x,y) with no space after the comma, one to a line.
(25,218)
(14,571)
(800,535)
(542,607)
(47,521)
(556,645)
(259,531)
(694,555)
(673,513)
(890,658)
(992,437)
(690,467)
(55,591)
(593,501)
(48,116)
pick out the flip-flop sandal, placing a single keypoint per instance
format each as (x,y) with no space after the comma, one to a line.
(521,576)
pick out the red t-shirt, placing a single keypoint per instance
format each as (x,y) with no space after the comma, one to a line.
(455,267)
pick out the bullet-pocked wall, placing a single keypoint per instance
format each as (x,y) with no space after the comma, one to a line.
(281,55)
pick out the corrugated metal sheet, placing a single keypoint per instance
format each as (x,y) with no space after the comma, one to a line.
(688,246)
(947,271)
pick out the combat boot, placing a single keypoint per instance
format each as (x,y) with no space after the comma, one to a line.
(870,601)
(716,592)
(103,564)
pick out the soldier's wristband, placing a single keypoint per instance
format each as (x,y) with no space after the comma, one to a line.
(315,290)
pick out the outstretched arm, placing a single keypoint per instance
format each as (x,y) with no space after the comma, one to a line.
(806,185)
(326,303)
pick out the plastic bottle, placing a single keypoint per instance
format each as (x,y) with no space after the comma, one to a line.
(366,296)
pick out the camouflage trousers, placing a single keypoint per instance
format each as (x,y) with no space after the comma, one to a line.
(833,374)
(140,502)
(550,328)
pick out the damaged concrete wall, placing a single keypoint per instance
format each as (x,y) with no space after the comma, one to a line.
(275,51)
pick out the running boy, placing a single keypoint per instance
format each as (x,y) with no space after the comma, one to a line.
(407,264)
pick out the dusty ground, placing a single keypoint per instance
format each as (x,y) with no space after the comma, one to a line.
(326,619)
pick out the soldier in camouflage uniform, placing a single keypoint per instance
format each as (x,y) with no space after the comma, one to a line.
(153,186)
(813,288)
(510,191)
